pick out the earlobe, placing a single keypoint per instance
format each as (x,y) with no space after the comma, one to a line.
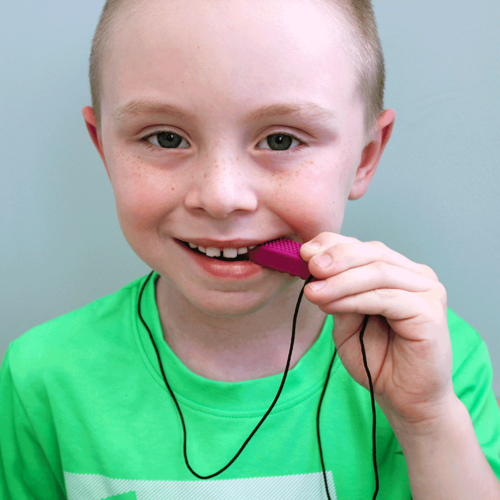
(372,153)
(91,123)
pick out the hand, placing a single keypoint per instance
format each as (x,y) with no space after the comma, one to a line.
(407,341)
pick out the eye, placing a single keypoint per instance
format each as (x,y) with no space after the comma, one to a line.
(164,139)
(282,141)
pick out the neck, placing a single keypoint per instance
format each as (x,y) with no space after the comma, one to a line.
(233,349)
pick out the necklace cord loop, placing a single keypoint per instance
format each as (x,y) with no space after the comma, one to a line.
(365,322)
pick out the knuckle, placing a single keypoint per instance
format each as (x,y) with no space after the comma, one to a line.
(428,272)
(378,244)
(428,313)
(382,268)
(442,295)
(339,251)
(326,236)
(385,293)
(437,298)
(341,248)
(437,311)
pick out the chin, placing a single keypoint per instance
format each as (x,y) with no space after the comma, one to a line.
(228,307)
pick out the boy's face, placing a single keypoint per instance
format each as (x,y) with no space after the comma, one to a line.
(221,180)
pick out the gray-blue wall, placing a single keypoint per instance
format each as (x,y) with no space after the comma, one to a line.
(435,197)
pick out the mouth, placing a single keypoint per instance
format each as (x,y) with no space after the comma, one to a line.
(221,254)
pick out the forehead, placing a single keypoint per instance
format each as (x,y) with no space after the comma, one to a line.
(243,52)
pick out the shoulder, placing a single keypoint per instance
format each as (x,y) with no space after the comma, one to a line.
(59,345)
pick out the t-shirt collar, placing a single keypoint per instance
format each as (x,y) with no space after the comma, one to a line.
(245,397)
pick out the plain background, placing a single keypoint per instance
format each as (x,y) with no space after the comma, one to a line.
(435,196)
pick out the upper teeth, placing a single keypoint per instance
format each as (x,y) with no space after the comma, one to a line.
(228,253)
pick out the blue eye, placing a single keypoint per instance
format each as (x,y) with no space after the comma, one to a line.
(165,139)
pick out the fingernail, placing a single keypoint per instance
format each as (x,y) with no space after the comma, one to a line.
(323,260)
(317,285)
(313,246)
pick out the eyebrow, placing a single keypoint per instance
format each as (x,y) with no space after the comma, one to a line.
(308,109)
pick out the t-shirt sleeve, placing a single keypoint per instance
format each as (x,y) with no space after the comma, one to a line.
(472,382)
(25,472)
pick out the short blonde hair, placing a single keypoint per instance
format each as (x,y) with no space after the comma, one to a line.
(363,49)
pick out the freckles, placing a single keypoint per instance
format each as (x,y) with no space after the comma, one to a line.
(283,180)
(290,175)
(138,168)
(127,165)
(308,166)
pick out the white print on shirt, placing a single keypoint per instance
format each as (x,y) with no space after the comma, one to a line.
(296,487)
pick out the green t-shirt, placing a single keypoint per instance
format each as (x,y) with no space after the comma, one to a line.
(85,415)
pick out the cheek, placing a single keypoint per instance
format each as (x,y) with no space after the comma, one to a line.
(312,197)
(142,195)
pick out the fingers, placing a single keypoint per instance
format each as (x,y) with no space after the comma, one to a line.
(370,278)
(374,276)
(346,253)
(393,304)
(419,302)
(322,242)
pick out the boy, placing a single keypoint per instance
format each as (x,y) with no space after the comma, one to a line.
(276,109)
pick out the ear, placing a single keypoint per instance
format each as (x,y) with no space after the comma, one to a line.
(91,122)
(372,153)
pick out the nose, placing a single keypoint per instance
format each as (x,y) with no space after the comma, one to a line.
(221,187)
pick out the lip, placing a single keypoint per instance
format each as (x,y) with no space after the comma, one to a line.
(215,268)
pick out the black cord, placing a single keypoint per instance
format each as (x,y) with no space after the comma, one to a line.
(365,322)
(374,422)
(177,404)
(317,424)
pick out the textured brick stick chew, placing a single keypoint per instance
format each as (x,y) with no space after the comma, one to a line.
(282,255)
